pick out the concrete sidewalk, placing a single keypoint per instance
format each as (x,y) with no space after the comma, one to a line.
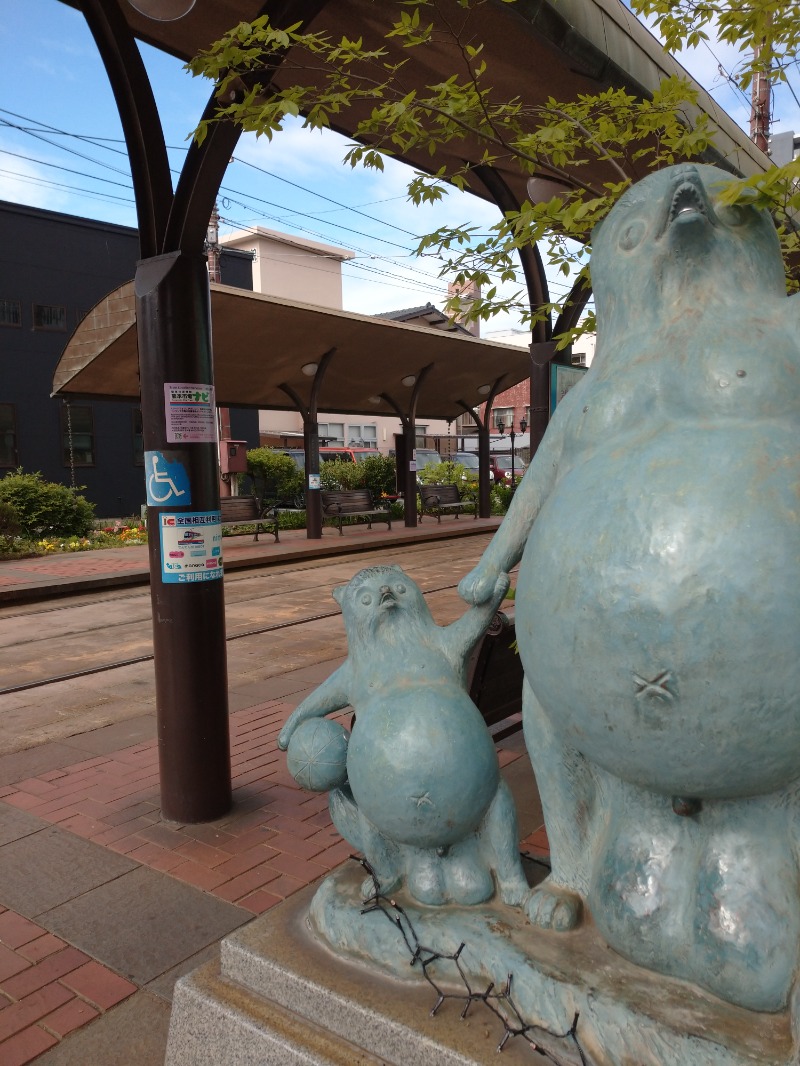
(103,904)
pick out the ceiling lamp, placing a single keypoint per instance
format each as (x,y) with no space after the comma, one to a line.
(409,380)
(310,369)
(163,10)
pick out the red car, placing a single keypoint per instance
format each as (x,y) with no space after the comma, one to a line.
(500,465)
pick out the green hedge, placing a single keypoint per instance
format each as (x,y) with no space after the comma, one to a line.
(45,507)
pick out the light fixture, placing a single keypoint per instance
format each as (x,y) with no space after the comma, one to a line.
(542,190)
(409,380)
(484,390)
(375,399)
(501,426)
(163,10)
(310,369)
(523,425)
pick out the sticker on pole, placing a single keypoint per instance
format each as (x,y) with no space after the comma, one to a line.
(167,481)
(191,413)
(314,481)
(191,547)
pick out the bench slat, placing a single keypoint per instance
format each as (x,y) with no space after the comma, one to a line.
(351,503)
(434,499)
(246,511)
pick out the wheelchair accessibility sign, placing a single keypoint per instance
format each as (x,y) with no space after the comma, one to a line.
(167,481)
(191,547)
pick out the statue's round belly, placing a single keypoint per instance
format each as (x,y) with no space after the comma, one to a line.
(658,609)
(422,766)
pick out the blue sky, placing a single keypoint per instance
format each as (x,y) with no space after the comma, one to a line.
(61,148)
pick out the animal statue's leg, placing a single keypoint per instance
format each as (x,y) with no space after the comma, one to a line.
(381,854)
(499,835)
(566,789)
(467,872)
(425,875)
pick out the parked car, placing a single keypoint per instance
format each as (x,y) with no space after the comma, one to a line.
(347,455)
(427,457)
(297,454)
(500,465)
(472,464)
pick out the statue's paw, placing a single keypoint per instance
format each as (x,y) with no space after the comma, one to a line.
(478,587)
(552,907)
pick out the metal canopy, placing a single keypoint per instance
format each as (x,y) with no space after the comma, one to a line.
(535,49)
(261,343)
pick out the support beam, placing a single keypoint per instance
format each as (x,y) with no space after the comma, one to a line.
(484,447)
(408,420)
(310,414)
(188,617)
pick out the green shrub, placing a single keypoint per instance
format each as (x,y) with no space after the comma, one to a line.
(444,473)
(275,477)
(380,475)
(9,520)
(45,507)
(336,474)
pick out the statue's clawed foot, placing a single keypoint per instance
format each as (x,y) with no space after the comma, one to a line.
(552,907)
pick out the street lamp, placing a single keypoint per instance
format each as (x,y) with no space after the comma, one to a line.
(523,425)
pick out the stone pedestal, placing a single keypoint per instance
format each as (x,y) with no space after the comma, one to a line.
(280,996)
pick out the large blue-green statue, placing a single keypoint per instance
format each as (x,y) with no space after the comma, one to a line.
(658,620)
(658,600)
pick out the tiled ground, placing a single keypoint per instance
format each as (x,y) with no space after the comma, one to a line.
(47,989)
(276,840)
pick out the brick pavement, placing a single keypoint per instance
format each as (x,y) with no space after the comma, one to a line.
(276,840)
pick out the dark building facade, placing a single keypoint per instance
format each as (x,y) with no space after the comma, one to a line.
(53,269)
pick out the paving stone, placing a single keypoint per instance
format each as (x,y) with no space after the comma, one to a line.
(133,1032)
(35,761)
(143,923)
(41,871)
(119,735)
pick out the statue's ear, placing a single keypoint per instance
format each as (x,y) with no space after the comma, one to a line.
(338,593)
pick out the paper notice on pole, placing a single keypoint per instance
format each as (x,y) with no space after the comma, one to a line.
(190,411)
(191,547)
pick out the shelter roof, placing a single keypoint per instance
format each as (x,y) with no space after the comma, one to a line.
(261,343)
(535,50)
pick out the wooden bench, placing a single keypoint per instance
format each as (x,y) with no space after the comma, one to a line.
(494,677)
(435,499)
(351,503)
(247,511)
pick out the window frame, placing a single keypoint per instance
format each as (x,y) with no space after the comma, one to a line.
(15,448)
(67,453)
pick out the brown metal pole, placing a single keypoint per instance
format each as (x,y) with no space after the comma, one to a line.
(188,606)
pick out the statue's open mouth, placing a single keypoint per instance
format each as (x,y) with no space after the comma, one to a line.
(688,205)
(387,598)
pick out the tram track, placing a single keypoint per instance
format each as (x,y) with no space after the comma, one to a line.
(136,660)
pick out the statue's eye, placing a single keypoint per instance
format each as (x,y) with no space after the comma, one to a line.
(366,599)
(632,235)
(733,214)
(400,589)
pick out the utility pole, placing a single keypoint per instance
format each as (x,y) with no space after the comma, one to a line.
(760,106)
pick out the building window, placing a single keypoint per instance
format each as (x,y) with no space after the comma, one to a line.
(8,435)
(138,437)
(51,317)
(77,435)
(332,433)
(504,415)
(10,313)
(362,436)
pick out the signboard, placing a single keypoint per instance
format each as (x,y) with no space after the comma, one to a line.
(562,378)
(190,412)
(167,480)
(191,547)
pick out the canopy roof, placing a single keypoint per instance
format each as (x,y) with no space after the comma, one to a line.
(261,343)
(535,49)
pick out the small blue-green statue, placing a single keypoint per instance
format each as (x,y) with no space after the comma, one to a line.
(417,786)
(658,601)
